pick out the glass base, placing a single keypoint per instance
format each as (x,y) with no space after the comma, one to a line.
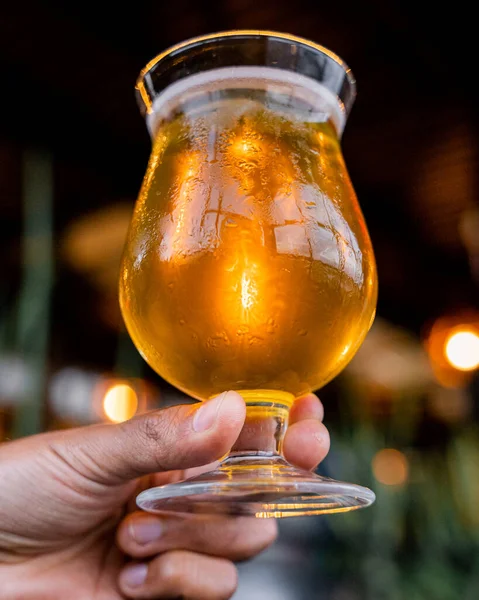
(260,485)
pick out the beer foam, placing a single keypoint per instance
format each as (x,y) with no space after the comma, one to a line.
(324,103)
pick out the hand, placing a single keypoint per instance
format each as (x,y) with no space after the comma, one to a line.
(64,495)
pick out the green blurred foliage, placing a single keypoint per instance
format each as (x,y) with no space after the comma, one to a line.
(420,541)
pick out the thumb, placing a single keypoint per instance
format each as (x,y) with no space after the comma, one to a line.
(174,438)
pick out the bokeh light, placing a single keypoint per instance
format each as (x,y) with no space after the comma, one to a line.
(453,347)
(462,350)
(390,467)
(120,403)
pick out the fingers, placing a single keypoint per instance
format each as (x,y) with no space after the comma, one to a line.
(180,574)
(174,438)
(141,535)
(175,476)
(178,571)
(306,442)
(307,407)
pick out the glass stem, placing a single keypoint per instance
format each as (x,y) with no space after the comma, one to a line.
(265,424)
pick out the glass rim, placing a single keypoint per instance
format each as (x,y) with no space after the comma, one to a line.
(239,34)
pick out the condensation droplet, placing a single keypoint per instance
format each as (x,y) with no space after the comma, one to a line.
(271,325)
(215,341)
(254,339)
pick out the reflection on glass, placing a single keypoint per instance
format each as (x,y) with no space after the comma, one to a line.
(247,207)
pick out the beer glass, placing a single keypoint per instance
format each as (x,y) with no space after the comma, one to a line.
(248,265)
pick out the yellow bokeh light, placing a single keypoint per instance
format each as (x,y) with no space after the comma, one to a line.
(120,403)
(462,350)
(390,467)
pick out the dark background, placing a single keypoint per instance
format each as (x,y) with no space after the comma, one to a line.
(68,75)
(411,145)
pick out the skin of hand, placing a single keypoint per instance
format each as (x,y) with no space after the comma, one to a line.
(68,527)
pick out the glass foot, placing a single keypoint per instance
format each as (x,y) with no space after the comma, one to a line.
(259,486)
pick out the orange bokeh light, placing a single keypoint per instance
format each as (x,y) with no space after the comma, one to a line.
(462,349)
(390,467)
(120,402)
(453,348)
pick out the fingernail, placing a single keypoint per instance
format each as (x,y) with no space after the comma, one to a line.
(144,532)
(135,575)
(206,415)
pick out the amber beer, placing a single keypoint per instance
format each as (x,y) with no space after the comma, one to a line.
(248,264)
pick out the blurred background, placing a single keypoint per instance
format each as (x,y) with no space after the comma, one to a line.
(404,414)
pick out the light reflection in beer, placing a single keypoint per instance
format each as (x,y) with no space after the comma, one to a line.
(247,291)
(242,301)
(310,225)
(326,149)
(174,243)
(156,156)
(245,145)
(285,207)
(180,219)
